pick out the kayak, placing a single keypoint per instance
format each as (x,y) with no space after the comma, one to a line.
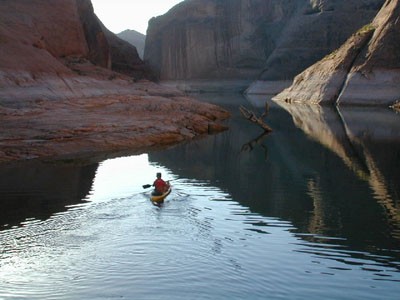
(160,198)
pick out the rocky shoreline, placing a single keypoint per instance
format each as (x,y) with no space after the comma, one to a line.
(137,121)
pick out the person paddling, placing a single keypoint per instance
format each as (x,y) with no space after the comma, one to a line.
(160,186)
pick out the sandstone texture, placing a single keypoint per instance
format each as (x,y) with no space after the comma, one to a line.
(327,82)
(241,39)
(134,38)
(204,39)
(315,29)
(104,123)
(60,92)
(364,71)
(40,41)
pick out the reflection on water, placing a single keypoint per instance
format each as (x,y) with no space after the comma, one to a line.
(314,175)
(309,211)
(368,142)
(36,190)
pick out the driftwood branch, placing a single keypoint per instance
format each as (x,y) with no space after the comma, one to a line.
(266,110)
(251,116)
(258,140)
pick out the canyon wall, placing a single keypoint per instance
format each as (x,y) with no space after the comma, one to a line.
(125,57)
(241,39)
(43,46)
(365,70)
(134,38)
(68,86)
(318,28)
(203,39)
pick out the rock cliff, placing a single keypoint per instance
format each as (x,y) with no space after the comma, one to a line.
(60,94)
(125,57)
(365,70)
(316,29)
(134,38)
(239,39)
(202,39)
(44,45)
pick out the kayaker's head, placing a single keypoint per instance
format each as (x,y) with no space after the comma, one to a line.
(158,175)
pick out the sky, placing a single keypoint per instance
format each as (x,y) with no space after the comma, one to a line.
(119,15)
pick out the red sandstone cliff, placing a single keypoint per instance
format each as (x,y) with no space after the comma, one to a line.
(42,45)
(60,94)
(365,70)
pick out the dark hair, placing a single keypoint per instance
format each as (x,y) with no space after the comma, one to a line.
(159,175)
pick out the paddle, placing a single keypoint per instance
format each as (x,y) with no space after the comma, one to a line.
(146,186)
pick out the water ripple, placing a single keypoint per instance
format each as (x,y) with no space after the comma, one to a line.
(123,246)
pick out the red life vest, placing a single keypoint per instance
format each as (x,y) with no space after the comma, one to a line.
(160,186)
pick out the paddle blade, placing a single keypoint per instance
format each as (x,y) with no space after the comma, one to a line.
(146,186)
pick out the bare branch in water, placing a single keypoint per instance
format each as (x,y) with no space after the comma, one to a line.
(266,110)
(258,140)
(251,116)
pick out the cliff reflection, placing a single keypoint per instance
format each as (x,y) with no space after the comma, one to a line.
(37,190)
(304,179)
(368,142)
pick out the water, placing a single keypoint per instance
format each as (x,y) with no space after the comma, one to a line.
(310,211)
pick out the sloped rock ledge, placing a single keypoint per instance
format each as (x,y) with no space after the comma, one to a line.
(364,71)
(103,123)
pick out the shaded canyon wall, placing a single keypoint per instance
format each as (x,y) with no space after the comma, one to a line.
(315,30)
(204,39)
(239,39)
(365,70)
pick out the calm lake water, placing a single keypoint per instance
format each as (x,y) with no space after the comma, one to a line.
(310,211)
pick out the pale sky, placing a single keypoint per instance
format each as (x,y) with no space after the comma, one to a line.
(119,15)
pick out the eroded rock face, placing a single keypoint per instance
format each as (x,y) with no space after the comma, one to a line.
(365,70)
(204,39)
(36,36)
(58,94)
(316,28)
(322,82)
(238,39)
(33,37)
(98,43)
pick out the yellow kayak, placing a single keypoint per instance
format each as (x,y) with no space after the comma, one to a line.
(160,198)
